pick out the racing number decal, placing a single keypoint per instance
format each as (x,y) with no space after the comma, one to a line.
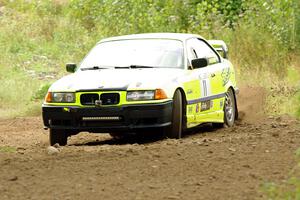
(205,87)
(205,92)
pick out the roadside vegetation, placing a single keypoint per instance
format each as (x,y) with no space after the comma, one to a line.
(37,38)
(288,189)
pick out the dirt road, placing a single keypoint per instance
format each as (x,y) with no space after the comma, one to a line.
(230,163)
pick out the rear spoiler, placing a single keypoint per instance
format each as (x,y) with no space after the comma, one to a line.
(220,46)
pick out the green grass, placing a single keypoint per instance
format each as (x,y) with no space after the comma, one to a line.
(298,111)
(7,149)
(33,53)
(288,189)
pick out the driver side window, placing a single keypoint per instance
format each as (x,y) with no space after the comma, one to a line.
(199,49)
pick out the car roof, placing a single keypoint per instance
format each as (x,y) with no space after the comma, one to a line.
(174,36)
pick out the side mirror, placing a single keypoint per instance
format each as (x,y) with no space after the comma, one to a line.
(199,63)
(71,67)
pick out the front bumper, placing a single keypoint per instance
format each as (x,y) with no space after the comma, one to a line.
(108,119)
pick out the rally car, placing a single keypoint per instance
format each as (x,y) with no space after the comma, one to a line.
(129,84)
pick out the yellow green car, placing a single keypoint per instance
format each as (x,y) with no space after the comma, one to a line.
(158,82)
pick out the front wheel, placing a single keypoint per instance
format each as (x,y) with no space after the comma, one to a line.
(120,136)
(58,136)
(175,129)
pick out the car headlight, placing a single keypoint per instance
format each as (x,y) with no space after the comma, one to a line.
(60,97)
(142,95)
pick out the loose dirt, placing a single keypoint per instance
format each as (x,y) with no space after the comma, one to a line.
(229,163)
(251,100)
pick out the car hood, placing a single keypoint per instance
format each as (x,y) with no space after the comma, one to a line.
(117,79)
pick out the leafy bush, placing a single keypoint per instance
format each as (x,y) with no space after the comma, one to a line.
(298,112)
(41,92)
(297,24)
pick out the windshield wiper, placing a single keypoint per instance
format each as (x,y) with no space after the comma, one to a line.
(134,67)
(122,67)
(93,68)
(140,66)
(125,67)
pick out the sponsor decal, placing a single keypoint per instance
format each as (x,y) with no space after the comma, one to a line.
(206,105)
(225,75)
(205,87)
(221,104)
(190,109)
(189,91)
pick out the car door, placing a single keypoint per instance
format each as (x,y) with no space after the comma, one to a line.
(206,102)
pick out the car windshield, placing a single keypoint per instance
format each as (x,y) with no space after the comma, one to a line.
(135,53)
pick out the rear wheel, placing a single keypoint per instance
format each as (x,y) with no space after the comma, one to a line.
(58,136)
(175,129)
(229,110)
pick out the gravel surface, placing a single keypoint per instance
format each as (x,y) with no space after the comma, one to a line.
(229,163)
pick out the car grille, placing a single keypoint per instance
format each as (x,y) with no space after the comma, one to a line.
(88,99)
(106,98)
(110,98)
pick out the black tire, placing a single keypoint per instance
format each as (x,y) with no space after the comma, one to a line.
(229,110)
(175,129)
(118,136)
(58,136)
